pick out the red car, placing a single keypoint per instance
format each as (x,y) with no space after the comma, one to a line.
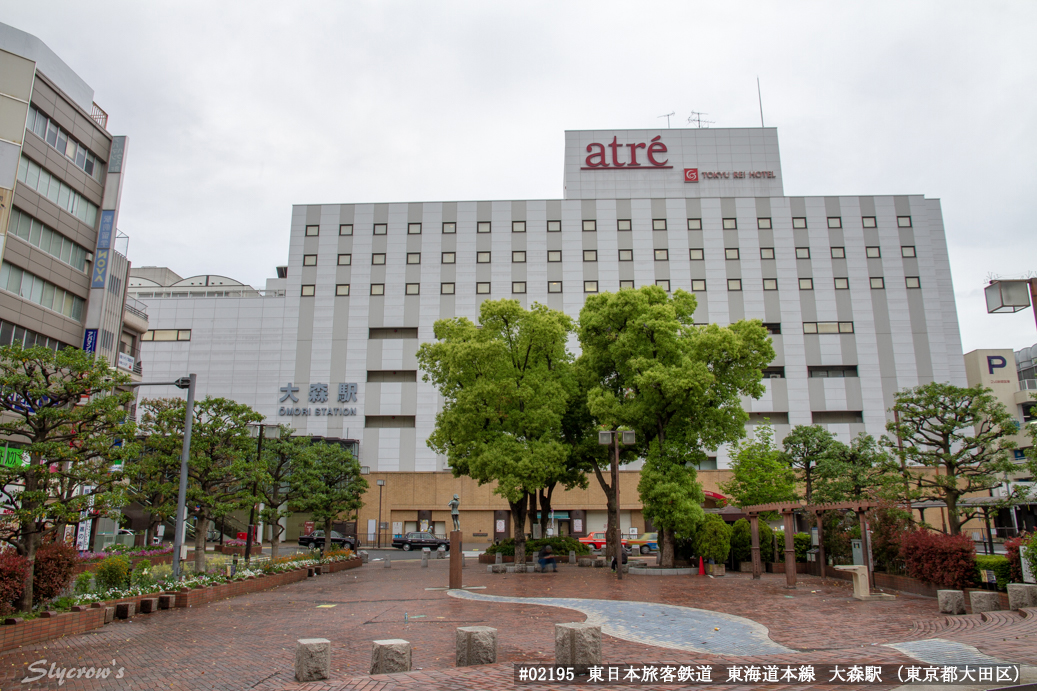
(598,540)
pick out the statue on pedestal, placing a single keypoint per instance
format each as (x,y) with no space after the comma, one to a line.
(454,503)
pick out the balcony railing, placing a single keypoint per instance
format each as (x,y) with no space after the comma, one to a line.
(1028,385)
(99,116)
(136,308)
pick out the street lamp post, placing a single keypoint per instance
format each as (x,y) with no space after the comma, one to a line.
(260,430)
(614,438)
(381,484)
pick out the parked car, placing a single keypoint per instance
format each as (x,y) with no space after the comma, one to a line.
(649,542)
(420,540)
(316,539)
(598,540)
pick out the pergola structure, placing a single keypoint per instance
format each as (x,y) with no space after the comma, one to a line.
(787,511)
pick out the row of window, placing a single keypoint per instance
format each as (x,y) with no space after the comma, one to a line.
(36,178)
(590,226)
(167,335)
(43,293)
(49,131)
(47,239)
(27,338)
(661,255)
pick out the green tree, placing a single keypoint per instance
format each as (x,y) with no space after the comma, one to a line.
(713,539)
(860,471)
(741,540)
(650,369)
(506,386)
(963,434)
(759,475)
(670,492)
(282,457)
(65,412)
(328,483)
(805,447)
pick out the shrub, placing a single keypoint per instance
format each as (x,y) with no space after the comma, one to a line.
(561,545)
(996,563)
(113,572)
(1031,553)
(888,527)
(141,576)
(944,560)
(766,542)
(742,540)
(504,547)
(162,573)
(52,574)
(801,541)
(84,583)
(713,539)
(13,570)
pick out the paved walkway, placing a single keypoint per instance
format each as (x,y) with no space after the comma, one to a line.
(248,642)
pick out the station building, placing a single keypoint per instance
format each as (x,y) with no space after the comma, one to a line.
(855,290)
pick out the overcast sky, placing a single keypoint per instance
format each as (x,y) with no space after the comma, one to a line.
(237,110)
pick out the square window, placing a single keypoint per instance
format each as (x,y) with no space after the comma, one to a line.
(312,230)
(554,226)
(482,227)
(345,229)
(518,257)
(446,288)
(766,253)
(449,258)
(802,253)
(626,255)
(345,259)
(590,226)
(663,283)
(806,284)
(877,283)
(518,226)
(590,286)
(309,260)
(770,284)
(658,224)
(482,288)
(903,221)
(183,335)
(869,222)
(518,286)
(554,286)
(413,289)
(872,252)
(913,282)
(413,229)
(377,259)
(835,222)
(590,255)
(449,228)
(482,257)
(381,228)
(908,251)
(342,289)
(696,254)
(377,289)
(626,284)
(810,327)
(414,257)
(623,224)
(763,223)
(842,284)
(662,255)
(731,253)
(698,285)
(308,291)
(694,224)
(554,255)
(799,222)
(730,224)
(734,284)
(838,253)
(846,327)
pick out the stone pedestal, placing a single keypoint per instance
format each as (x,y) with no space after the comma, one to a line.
(125,610)
(109,615)
(572,556)
(364,556)
(861,584)
(984,601)
(166,601)
(951,601)
(577,644)
(312,659)
(456,557)
(476,645)
(424,557)
(1022,595)
(148,605)
(499,559)
(585,562)
(387,564)
(441,552)
(389,656)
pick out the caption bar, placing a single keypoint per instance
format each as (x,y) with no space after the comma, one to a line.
(765,674)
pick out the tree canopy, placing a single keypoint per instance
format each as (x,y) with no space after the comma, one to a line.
(759,475)
(805,448)
(327,483)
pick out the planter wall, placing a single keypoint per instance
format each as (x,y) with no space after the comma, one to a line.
(237,549)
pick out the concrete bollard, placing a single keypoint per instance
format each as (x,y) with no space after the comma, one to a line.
(389,656)
(387,564)
(499,559)
(166,601)
(364,556)
(585,562)
(984,601)
(951,601)
(148,605)
(125,610)
(424,557)
(577,644)
(312,659)
(498,568)
(599,563)
(572,556)
(476,645)
(109,615)
(1022,595)
(440,553)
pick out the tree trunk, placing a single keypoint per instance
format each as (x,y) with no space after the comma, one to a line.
(30,542)
(613,510)
(518,514)
(953,520)
(667,549)
(807,478)
(327,535)
(545,509)
(532,514)
(201,528)
(275,540)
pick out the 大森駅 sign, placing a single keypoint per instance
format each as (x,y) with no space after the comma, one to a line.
(318,393)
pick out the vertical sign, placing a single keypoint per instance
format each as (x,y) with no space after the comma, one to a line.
(106,230)
(100,272)
(90,341)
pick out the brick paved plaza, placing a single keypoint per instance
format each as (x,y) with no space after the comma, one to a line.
(248,642)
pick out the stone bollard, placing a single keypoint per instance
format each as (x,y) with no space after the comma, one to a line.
(572,556)
(585,562)
(951,601)
(476,645)
(577,644)
(1022,595)
(440,553)
(599,563)
(424,557)
(148,605)
(312,659)
(499,568)
(499,559)
(984,601)
(109,615)
(125,610)
(387,564)
(389,656)
(364,556)
(166,601)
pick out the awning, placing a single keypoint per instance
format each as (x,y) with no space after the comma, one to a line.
(555,515)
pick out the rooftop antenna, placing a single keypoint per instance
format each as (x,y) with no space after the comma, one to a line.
(759,94)
(696,119)
(667,116)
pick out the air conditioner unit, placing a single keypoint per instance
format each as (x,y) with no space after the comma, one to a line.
(774,376)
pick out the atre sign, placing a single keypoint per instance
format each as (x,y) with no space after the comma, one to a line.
(598,159)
